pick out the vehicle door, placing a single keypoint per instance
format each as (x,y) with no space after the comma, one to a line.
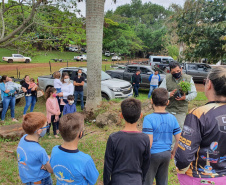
(20,58)
(203,70)
(129,72)
(192,70)
(145,73)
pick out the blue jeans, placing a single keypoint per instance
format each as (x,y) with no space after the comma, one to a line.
(8,100)
(80,93)
(30,100)
(135,88)
(45,181)
(152,88)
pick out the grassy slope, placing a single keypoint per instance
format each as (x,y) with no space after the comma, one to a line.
(93,143)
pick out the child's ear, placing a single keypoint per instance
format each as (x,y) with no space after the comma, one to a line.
(121,116)
(141,115)
(151,101)
(167,103)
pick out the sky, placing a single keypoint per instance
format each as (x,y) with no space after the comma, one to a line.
(109,5)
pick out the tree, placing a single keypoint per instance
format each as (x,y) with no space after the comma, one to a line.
(201,26)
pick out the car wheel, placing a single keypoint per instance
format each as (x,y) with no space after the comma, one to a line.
(105,96)
(27,61)
(10,61)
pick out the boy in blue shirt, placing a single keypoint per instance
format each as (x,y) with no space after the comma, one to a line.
(160,127)
(70,165)
(154,80)
(127,155)
(33,161)
(70,107)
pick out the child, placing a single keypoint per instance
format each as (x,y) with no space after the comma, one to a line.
(31,85)
(160,127)
(70,107)
(127,155)
(154,80)
(70,165)
(57,86)
(33,161)
(53,110)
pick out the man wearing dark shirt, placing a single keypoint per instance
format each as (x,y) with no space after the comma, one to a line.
(78,83)
(136,80)
(127,156)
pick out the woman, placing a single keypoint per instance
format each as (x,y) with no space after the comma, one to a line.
(30,98)
(67,89)
(8,98)
(201,154)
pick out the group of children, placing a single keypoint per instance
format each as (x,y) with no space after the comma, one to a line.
(131,158)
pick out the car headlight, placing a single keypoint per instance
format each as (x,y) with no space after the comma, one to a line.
(115,89)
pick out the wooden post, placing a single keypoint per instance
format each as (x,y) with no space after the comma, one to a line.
(50,67)
(67,63)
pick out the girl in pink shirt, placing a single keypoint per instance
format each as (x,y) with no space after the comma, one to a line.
(52,110)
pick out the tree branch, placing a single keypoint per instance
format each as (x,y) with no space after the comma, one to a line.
(3,22)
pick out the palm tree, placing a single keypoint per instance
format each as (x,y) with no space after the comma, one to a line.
(94,38)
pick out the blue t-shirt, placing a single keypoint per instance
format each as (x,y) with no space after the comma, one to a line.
(73,167)
(31,156)
(69,109)
(162,126)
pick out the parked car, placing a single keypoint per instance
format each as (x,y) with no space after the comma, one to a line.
(16,58)
(74,49)
(19,94)
(153,60)
(116,58)
(198,71)
(110,88)
(83,50)
(80,57)
(126,74)
(107,53)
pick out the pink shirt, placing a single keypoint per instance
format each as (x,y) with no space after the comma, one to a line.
(52,108)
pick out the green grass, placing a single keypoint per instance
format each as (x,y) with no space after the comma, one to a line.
(94,143)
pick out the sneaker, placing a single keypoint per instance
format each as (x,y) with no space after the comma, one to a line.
(49,136)
(28,95)
(62,102)
(14,120)
(56,136)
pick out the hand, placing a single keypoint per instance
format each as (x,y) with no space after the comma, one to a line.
(58,113)
(182,98)
(43,167)
(15,92)
(60,94)
(7,91)
(172,92)
(172,154)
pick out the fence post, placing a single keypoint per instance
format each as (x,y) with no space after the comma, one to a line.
(67,63)
(105,67)
(50,67)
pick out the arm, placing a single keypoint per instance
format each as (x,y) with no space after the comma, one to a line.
(2,87)
(48,167)
(159,78)
(146,161)
(193,93)
(150,77)
(70,90)
(151,139)
(49,107)
(188,144)
(65,110)
(91,174)
(44,159)
(177,137)
(108,161)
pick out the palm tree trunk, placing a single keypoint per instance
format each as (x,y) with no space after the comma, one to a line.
(94,38)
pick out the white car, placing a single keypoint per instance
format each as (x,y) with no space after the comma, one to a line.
(116,58)
(107,53)
(80,57)
(17,58)
(73,49)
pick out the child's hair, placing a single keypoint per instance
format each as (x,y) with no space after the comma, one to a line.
(70,97)
(71,125)
(32,80)
(131,110)
(33,121)
(49,91)
(56,74)
(160,97)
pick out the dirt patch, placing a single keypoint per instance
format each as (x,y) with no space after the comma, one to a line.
(200,87)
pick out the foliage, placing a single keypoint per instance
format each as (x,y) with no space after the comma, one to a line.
(185,86)
(173,51)
(201,25)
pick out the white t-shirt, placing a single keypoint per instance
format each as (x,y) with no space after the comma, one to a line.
(154,80)
(67,89)
(57,83)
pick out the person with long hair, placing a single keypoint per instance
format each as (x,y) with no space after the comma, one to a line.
(52,110)
(31,98)
(7,99)
(201,154)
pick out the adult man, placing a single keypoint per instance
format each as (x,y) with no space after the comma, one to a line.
(178,106)
(78,83)
(136,80)
(154,82)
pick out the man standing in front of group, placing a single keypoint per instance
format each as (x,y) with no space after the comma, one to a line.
(178,106)
(154,80)
(79,83)
(136,80)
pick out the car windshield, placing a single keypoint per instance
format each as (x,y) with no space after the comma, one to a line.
(105,76)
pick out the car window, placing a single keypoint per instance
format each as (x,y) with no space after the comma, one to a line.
(132,69)
(156,59)
(70,73)
(144,70)
(192,67)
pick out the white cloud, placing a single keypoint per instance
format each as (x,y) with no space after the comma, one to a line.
(109,5)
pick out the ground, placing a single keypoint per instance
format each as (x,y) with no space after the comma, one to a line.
(94,141)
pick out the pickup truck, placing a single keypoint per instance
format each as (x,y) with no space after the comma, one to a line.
(16,58)
(126,74)
(18,96)
(110,88)
(80,57)
(198,71)
(116,58)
